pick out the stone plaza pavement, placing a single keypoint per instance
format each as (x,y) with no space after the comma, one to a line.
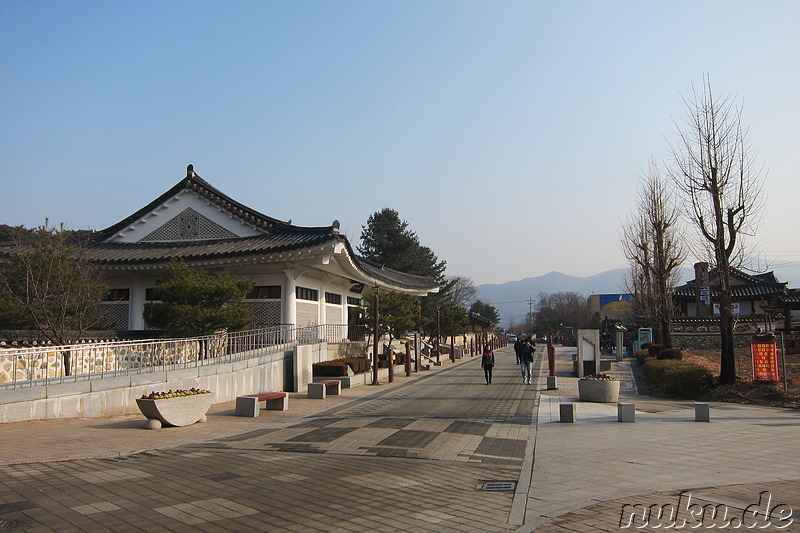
(438,451)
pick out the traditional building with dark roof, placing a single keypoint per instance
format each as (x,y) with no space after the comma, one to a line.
(758,301)
(304,275)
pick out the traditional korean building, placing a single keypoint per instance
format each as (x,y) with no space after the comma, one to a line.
(758,301)
(303,276)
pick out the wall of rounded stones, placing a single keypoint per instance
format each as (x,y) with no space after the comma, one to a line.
(36,363)
(707,341)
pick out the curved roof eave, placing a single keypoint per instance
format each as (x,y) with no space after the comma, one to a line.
(385,278)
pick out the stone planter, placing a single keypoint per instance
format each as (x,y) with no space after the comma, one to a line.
(598,390)
(178,411)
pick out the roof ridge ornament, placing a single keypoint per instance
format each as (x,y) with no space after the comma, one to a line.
(190,171)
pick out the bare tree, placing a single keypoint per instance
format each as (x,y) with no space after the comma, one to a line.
(560,312)
(650,241)
(53,287)
(460,290)
(713,166)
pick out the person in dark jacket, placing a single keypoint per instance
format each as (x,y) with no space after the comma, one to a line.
(519,347)
(527,359)
(487,362)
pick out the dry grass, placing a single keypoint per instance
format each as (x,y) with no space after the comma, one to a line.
(746,390)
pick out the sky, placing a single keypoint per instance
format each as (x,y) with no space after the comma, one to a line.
(509,135)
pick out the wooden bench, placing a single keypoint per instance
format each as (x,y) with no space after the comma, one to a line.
(319,389)
(249,405)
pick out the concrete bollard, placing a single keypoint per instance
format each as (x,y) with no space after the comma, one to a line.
(702,412)
(626,412)
(551,383)
(567,412)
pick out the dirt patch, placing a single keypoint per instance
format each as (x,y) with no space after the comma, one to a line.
(745,390)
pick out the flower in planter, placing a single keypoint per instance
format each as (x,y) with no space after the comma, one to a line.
(598,377)
(173,394)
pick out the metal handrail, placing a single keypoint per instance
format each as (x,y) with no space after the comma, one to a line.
(26,367)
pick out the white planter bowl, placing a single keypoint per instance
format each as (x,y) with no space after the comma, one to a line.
(598,390)
(178,411)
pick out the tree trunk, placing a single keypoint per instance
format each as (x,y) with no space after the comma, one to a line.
(727,370)
(67,355)
(666,333)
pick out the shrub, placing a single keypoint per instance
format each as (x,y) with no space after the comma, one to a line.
(641,357)
(678,379)
(655,349)
(672,353)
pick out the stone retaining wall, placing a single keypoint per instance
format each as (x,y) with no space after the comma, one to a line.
(112,396)
(712,342)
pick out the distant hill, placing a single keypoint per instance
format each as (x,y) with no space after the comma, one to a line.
(512,298)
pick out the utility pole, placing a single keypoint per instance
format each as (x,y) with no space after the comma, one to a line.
(530,315)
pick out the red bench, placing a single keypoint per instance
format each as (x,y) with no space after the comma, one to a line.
(319,389)
(248,405)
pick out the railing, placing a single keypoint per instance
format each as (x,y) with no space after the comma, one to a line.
(44,365)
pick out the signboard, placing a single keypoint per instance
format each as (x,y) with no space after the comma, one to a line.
(765,361)
(735,308)
(705,294)
(615,302)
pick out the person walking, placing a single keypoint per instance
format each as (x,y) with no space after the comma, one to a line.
(526,360)
(519,347)
(487,362)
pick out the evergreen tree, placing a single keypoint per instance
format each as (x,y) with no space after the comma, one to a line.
(398,314)
(387,240)
(194,302)
(486,310)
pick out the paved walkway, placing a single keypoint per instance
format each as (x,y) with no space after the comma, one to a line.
(440,451)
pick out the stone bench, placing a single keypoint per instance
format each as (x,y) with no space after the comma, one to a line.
(248,405)
(319,389)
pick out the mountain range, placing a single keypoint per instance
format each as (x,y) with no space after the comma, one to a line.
(514,299)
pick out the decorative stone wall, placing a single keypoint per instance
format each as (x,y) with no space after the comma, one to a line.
(333,315)
(707,342)
(265,314)
(114,315)
(22,364)
(307,314)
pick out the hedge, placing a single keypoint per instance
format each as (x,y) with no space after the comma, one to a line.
(678,379)
(671,353)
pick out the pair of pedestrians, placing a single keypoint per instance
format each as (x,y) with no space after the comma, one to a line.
(524,351)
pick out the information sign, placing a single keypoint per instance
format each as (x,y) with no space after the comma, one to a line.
(765,361)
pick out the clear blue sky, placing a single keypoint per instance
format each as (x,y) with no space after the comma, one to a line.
(508,134)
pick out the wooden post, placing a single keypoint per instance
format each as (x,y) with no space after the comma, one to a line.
(375,335)
(408,360)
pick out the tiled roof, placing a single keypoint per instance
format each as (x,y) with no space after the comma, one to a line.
(738,292)
(197,184)
(393,277)
(277,237)
(754,287)
(160,252)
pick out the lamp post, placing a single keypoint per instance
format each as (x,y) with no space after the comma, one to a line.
(375,333)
